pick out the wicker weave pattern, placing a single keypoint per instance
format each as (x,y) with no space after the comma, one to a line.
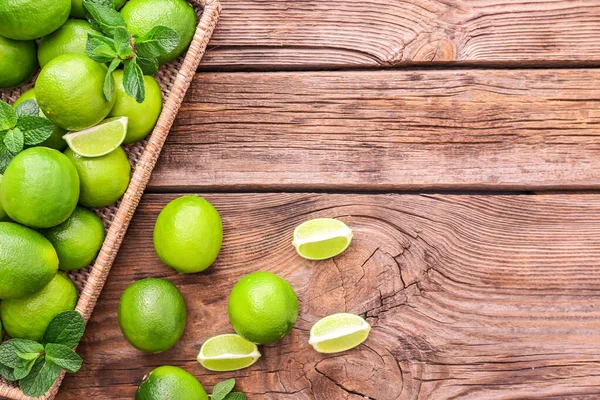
(174,79)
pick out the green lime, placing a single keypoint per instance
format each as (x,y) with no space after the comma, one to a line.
(27,261)
(70,38)
(188,234)
(32,19)
(55,141)
(322,238)
(103,179)
(78,240)
(227,352)
(28,317)
(263,307)
(77,10)
(152,315)
(98,140)
(69,91)
(17,61)
(170,383)
(3,215)
(338,332)
(40,188)
(143,15)
(142,116)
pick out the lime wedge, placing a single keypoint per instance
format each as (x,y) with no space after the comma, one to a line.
(322,238)
(100,139)
(227,352)
(338,332)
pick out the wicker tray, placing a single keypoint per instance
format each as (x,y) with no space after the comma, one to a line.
(174,79)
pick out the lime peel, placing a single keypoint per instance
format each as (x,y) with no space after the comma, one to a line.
(322,238)
(252,356)
(98,140)
(338,332)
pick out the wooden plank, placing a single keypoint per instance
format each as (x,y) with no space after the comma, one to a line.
(276,34)
(386,130)
(471,297)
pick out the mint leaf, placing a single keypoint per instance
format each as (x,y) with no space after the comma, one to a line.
(100,48)
(40,379)
(8,117)
(133,81)
(123,43)
(159,41)
(14,140)
(7,373)
(5,159)
(24,368)
(222,389)
(236,396)
(102,17)
(28,108)
(35,130)
(66,328)
(64,357)
(13,351)
(148,65)
(109,83)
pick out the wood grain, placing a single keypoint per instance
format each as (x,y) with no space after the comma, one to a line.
(386,131)
(471,297)
(308,34)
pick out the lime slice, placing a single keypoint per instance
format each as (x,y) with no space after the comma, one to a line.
(322,238)
(227,352)
(100,139)
(338,332)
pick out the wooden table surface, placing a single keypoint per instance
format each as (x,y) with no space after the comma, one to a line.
(459,138)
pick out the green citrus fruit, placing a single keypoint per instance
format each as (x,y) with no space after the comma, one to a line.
(170,383)
(152,315)
(143,15)
(103,179)
(227,352)
(27,261)
(322,238)
(338,332)
(263,307)
(32,19)
(69,91)
(142,116)
(3,215)
(98,140)
(55,141)
(28,317)
(78,240)
(77,10)
(40,188)
(70,38)
(17,61)
(188,234)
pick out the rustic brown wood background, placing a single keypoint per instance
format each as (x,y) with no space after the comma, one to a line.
(459,138)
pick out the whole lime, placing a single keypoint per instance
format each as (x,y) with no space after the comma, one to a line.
(142,116)
(70,38)
(40,188)
(17,61)
(32,19)
(55,141)
(143,15)
(28,317)
(3,215)
(152,315)
(69,91)
(78,240)
(263,307)
(77,10)
(103,179)
(28,261)
(188,234)
(172,383)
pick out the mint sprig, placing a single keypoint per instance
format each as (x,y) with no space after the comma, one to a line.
(20,127)
(223,391)
(138,54)
(37,365)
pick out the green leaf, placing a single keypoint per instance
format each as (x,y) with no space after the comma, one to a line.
(66,328)
(148,65)
(109,83)
(222,389)
(40,379)
(35,129)
(123,43)
(64,357)
(8,117)
(7,373)
(236,396)
(14,140)
(14,350)
(24,368)
(159,41)
(5,159)
(102,17)
(28,108)
(100,48)
(133,81)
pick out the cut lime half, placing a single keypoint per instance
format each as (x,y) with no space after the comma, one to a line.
(98,140)
(338,332)
(322,238)
(227,352)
